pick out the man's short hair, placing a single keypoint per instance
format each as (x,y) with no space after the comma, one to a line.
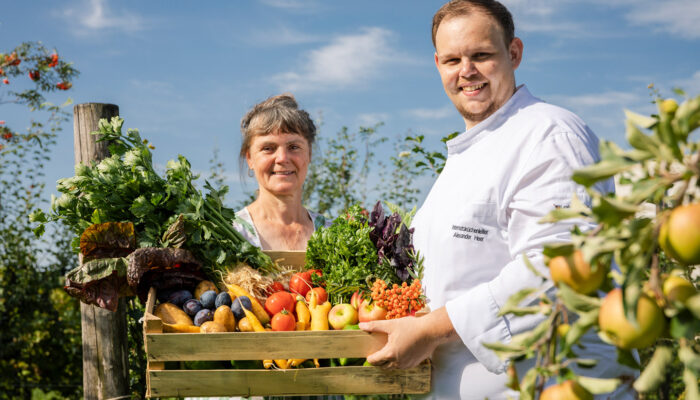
(493,8)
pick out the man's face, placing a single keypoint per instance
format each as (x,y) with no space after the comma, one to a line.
(476,67)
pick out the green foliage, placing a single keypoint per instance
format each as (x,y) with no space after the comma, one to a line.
(126,188)
(346,255)
(433,161)
(660,171)
(40,343)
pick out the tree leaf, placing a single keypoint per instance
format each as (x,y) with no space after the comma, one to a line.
(558,249)
(612,211)
(684,325)
(527,385)
(626,357)
(655,372)
(599,385)
(514,300)
(640,120)
(578,302)
(640,141)
(603,170)
(690,358)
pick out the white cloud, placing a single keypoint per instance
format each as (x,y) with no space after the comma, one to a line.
(678,17)
(95,15)
(608,99)
(433,113)
(282,36)
(292,5)
(691,85)
(371,119)
(348,61)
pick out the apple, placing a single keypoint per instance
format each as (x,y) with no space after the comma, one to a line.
(624,334)
(342,315)
(356,299)
(321,295)
(371,312)
(679,236)
(678,289)
(576,272)
(567,390)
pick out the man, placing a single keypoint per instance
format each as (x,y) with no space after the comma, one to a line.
(511,166)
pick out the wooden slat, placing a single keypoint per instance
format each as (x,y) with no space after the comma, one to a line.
(262,345)
(295,259)
(309,381)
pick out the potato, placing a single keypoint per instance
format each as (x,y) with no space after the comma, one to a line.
(224,316)
(211,327)
(172,314)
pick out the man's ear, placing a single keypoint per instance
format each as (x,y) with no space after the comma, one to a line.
(436,60)
(515,50)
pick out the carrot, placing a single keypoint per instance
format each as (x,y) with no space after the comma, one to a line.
(303,315)
(282,364)
(257,307)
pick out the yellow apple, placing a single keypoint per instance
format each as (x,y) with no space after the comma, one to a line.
(576,272)
(668,106)
(567,390)
(624,334)
(679,236)
(678,289)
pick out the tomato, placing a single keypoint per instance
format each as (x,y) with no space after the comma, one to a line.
(320,293)
(279,301)
(275,287)
(283,321)
(300,283)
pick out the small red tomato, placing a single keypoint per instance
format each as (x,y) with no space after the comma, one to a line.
(321,294)
(283,321)
(275,287)
(34,75)
(300,283)
(279,301)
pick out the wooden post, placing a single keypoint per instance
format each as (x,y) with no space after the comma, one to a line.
(105,346)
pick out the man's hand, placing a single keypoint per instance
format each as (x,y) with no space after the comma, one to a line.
(410,340)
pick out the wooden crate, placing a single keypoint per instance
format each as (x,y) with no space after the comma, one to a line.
(163,347)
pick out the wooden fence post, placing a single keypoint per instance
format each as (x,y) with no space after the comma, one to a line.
(105,350)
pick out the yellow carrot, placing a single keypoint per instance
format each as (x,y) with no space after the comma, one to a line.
(254,321)
(303,315)
(267,364)
(319,316)
(282,364)
(257,307)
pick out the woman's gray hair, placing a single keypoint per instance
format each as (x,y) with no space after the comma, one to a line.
(279,113)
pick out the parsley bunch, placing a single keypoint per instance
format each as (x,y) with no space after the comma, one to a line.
(346,256)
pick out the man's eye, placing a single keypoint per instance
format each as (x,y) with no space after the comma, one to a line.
(481,56)
(267,148)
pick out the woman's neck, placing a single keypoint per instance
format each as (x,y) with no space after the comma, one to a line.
(284,209)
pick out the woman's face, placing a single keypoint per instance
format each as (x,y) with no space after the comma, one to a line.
(280,162)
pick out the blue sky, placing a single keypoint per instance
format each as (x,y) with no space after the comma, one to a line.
(184,72)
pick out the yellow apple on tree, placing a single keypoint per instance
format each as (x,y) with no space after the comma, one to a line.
(678,289)
(567,390)
(623,333)
(576,272)
(679,235)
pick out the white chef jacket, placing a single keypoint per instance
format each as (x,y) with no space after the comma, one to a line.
(479,219)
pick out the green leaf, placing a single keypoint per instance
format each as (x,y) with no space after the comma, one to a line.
(558,249)
(692,392)
(612,211)
(655,372)
(640,120)
(626,357)
(527,385)
(684,325)
(640,141)
(603,170)
(578,302)
(514,300)
(689,358)
(599,385)
(693,304)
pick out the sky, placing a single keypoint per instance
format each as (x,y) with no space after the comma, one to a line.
(184,72)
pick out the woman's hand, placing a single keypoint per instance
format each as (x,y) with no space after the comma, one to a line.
(410,340)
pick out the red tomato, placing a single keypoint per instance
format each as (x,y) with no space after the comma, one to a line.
(275,287)
(283,321)
(320,293)
(300,283)
(279,301)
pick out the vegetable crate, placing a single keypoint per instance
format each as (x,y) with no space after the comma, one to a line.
(164,347)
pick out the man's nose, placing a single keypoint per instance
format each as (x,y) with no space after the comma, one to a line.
(467,68)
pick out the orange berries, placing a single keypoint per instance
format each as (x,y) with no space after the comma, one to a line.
(400,301)
(64,85)
(54,60)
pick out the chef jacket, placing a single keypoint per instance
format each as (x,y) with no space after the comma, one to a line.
(479,220)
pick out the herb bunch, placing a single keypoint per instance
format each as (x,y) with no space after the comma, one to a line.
(346,256)
(126,188)
(394,241)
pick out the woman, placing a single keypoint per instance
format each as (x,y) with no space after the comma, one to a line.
(277,141)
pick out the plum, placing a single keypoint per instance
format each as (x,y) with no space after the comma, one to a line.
(236,306)
(192,307)
(208,299)
(179,297)
(222,299)
(203,316)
